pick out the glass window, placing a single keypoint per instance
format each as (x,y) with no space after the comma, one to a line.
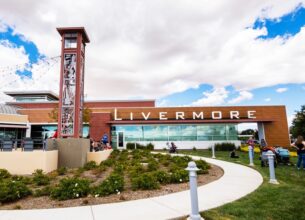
(207,132)
(204,132)
(71,42)
(155,133)
(189,132)
(174,133)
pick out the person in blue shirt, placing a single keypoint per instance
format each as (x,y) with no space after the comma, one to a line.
(105,139)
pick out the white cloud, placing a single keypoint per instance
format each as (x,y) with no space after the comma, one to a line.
(281,90)
(3,27)
(290,119)
(243,95)
(155,48)
(161,103)
(215,97)
(267,99)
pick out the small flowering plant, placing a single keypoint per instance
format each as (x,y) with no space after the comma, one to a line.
(71,188)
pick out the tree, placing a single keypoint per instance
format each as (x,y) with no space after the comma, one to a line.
(86,115)
(298,123)
(250,131)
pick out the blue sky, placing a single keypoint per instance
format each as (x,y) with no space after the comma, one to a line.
(18,40)
(126,48)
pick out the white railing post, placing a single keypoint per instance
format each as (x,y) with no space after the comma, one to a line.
(192,168)
(213,151)
(251,156)
(270,155)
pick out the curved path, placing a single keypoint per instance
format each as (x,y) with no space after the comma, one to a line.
(236,182)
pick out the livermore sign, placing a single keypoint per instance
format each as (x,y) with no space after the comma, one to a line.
(180,115)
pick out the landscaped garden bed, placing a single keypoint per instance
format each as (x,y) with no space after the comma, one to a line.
(125,175)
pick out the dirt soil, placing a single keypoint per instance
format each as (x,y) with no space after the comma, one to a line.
(45,202)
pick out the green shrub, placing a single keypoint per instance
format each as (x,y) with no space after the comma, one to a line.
(130,146)
(135,170)
(90,165)
(224,146)
(194,149)
(179,176)
(24,179)
(173,167)
(114,154)
(123,157)
(150,146)
(203,166)
(137,154)
(145,181)
(140,146)
(45,191)
(133,146)
(40,179)
(109,162)
(162,177)
(152,165)
(4,174)
(113,184)
(165,163)
(11,190)
(71,188)
(119,168)
(62,171)
(181,161)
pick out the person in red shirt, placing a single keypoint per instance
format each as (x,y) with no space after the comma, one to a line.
(55,135)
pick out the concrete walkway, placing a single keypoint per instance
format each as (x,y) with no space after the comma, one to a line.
(236,182)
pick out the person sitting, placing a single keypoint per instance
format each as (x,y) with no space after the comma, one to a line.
(173,148)
(233,154)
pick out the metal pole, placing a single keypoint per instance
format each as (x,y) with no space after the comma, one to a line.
(192,168)
(213,151)
(251,156)
(270,155)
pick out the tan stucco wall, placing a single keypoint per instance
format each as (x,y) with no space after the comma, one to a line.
(99,156)
(22,163)
(5,118)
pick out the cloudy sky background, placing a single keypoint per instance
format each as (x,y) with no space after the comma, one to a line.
(181,53)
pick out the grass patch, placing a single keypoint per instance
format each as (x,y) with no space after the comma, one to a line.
(272,202)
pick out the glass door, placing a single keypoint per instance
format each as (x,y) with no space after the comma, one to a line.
(120,141)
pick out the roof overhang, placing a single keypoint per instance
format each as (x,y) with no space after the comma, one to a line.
(31,93)
(64,30)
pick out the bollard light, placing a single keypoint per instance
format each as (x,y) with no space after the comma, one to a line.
(213,151)
(251,156)
(270,156)
(192,168)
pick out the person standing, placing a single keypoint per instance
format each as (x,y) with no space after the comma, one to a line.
(105,139)
(300,146)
